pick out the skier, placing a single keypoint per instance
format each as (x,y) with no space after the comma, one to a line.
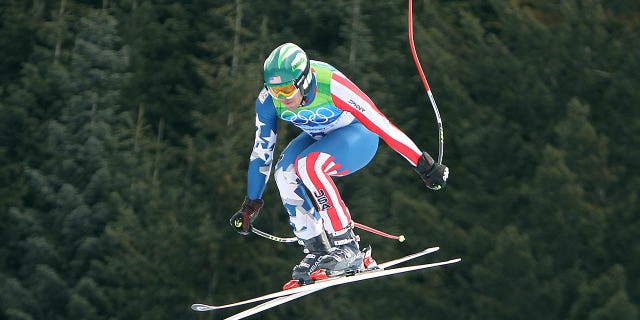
(341,128)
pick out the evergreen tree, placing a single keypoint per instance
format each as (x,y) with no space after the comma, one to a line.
(68,191)
(604,297)
(511,273)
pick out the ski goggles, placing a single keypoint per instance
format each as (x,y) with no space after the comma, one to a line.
(284,91)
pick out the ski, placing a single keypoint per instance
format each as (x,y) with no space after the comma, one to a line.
(282,300)
(379,272)
(204,307)
(341,280)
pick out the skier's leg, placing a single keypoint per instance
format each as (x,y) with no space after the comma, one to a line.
(340,153)
(303,217)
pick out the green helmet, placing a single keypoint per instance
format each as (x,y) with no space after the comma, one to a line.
(288,64)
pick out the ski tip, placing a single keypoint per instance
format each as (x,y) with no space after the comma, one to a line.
(201,307)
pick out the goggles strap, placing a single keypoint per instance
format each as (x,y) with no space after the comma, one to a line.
(305,73)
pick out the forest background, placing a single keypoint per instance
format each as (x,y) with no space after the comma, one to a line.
(126,128)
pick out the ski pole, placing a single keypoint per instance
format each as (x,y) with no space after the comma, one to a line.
(426,85)
(400,238)
(271,237)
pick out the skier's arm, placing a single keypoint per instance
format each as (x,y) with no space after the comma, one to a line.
(347,96)
(261,159)
(260,163)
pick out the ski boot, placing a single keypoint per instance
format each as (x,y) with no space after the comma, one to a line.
(368,263)
(315,248)
(345,257)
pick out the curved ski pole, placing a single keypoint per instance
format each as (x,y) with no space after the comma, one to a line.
(426,84)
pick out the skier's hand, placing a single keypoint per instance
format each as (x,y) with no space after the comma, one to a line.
(433,174)
(241,221)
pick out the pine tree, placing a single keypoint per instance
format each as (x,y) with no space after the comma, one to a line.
(510,273)
(68,193)
(604,297)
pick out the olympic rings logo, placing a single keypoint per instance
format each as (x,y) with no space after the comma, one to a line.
(319,116)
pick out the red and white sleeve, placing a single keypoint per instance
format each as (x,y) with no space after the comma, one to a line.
(347,96)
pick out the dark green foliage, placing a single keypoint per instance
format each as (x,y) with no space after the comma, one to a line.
(126,128)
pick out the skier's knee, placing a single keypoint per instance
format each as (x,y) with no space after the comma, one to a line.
(286,178)
(304,167)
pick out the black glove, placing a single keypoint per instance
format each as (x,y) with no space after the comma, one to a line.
(242,220)
(434,174)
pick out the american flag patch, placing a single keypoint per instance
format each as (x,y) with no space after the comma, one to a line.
(275,80)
